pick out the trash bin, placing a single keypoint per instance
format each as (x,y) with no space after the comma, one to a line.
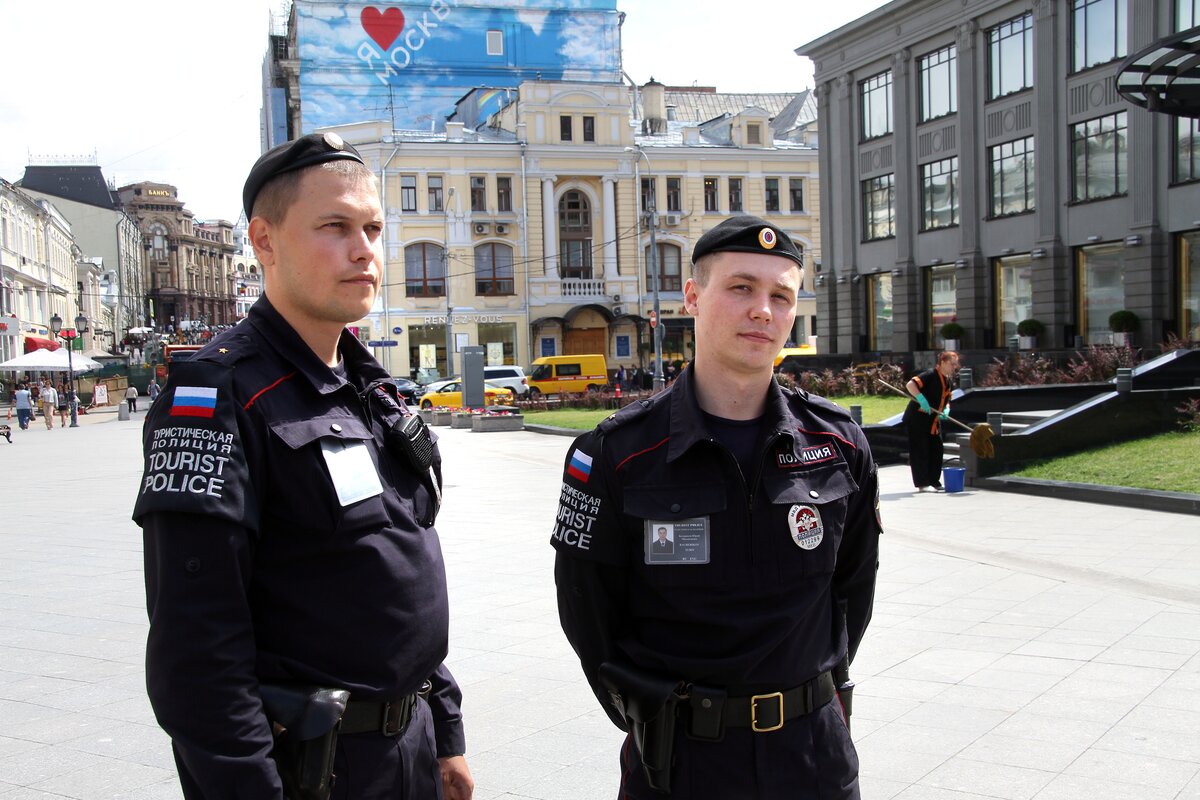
(953,478)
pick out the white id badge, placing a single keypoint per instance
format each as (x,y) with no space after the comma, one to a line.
(352,470)
(680,541)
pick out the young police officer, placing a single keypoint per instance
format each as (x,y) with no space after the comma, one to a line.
(287,507)
(718,659)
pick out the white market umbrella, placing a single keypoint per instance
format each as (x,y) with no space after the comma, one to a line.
(50,361)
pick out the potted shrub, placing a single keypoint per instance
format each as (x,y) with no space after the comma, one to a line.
(1122,323)
(952,332)
(1027,332)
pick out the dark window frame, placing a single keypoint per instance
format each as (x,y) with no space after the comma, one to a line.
(1000,34)
(929,173)
(429,283)
(1080,60)
(493,278)
(884,185)
(504,193)
(943,58)
(436,193)
(1025,149)
(478,184)
(880,83)
(1120,156)
(408,193)
(736,204)
(771,194)
(566,128)
(796,195)
(712,190)
(589,129)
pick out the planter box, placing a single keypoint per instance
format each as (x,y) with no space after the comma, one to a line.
(442,417)
(484,423)
(1027,342)
(461,420)
(952,344)
(427,416)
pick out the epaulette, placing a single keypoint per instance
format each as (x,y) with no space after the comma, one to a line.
(624,416)
(821,403)
(227,350)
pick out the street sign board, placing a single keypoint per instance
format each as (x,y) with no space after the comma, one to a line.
(653,319)
(382,343)
(397,330)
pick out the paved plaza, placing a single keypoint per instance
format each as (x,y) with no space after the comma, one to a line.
(1022,647)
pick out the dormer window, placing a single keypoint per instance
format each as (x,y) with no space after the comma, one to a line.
(754,133)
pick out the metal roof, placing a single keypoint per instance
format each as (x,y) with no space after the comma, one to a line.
(1165,76)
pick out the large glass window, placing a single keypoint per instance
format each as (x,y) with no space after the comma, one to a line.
(649,194)
(1187,14)
(674,194)
(879,311)
(1187,149)
(1101,274)
(670,262)
(1014,296)
(710,194)
(879,207)
(426,349)
(493,269)
(565,128)
(1098,31)
(875,105)
(436,184)
(424,270)
(735,195)
(1012,177)
(796,194)
(943,303)
(158,242)
(589,129)
(504,193)
(1010,56)
(499,340)
(479,193)
(939,194)
(575,235)
(1098,151)
(1189,286)
(771,186)
(939,83)
(408,192)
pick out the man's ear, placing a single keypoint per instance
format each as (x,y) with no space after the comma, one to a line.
(691,293)
(261,235)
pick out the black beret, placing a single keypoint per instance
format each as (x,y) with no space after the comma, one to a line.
(747,234)
(307,151)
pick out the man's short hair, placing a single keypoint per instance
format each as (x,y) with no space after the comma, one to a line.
(278,195)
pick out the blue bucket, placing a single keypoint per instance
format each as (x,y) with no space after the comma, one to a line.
(953,477)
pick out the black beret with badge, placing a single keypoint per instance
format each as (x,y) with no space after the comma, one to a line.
(747,234)
(307,151)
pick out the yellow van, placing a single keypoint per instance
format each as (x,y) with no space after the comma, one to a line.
(558,374)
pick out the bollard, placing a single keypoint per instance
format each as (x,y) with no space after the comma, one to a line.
(123,411)
(856,414)
(1124,380)
(995,419)
(966,378)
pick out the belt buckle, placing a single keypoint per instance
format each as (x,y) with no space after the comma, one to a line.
(778,697)
(393,718)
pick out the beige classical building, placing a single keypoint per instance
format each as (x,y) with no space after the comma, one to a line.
(189,265)
(527,232)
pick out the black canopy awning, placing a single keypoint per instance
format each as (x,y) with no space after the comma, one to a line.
(1165,76)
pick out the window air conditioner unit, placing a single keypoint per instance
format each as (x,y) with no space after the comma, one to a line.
(673,219)
(482,227)
(501,228)
(618,310)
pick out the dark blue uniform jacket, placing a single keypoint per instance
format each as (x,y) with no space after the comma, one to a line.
(789,582)
(256,569)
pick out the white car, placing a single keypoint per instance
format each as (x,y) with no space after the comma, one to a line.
(508,376)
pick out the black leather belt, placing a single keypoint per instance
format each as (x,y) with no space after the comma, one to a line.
(760,713)
(373,716)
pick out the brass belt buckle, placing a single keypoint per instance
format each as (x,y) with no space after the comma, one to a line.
(777,696)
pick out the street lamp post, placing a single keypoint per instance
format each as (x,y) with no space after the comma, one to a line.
(652,220)
(81,327)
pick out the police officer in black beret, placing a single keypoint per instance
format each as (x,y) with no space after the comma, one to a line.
(294,580)
(726,661)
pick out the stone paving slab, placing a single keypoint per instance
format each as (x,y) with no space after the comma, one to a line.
(1025,647)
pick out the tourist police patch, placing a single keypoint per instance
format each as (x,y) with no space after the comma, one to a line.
(804,524)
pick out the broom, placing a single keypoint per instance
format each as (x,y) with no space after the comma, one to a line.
(981,435)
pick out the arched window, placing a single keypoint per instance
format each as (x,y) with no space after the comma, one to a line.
(670,277)
(575,236)
(424,270)
(494,269)
(158,242)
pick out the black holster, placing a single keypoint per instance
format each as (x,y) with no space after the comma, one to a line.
(649,703)
(305,722)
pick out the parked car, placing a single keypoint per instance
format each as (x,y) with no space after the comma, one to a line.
(408,389)
(449,394)
(508,376)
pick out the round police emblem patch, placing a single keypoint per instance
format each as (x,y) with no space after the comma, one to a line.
(766,237)
(804,524)
(334,141)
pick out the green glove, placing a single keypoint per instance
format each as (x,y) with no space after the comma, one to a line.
(924,404)
(945,413)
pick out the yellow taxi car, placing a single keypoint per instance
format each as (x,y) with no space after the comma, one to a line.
(802,350)
(449,394)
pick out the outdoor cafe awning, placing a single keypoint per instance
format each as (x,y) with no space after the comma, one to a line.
(39,343)
(1165,76)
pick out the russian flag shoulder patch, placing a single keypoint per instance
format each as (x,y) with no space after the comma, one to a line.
(580,466)
(194,401)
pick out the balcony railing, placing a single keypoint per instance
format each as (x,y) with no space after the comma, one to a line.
(583,287)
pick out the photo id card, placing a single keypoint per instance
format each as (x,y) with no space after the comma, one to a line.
(680,541)
(352,470)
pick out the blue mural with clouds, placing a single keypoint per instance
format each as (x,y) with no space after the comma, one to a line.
(411,61)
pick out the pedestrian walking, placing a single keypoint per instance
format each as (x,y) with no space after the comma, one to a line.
(716,553)
(152,390)
(22,403)
(49,400)
(131,396)
(923,416)
(63,405)
(298,559)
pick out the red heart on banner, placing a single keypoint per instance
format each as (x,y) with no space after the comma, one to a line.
(384,27)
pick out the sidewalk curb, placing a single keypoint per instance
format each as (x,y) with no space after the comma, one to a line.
(1150,499)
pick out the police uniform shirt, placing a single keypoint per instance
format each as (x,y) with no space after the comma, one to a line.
(937,391)
(283,543)
(774,568)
